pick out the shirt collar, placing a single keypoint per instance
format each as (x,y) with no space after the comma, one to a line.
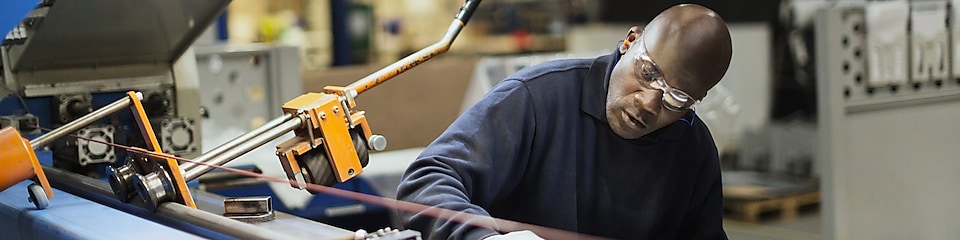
(594,92)
(594,95)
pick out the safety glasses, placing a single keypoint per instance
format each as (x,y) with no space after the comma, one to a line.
(650,76)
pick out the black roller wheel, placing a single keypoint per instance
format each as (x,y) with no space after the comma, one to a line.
(361,146)
(316,165)
(37,196)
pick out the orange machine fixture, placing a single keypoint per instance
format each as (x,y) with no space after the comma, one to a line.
(18,162)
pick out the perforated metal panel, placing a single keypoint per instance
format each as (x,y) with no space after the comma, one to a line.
(245,86)
(890,155)
(848,55)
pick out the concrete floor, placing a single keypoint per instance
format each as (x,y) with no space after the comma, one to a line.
(805,226)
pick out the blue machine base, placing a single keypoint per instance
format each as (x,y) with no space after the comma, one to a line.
(73,217)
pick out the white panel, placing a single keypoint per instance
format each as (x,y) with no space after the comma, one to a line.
(955,32)
(749,75)
(904,167)
(890,156)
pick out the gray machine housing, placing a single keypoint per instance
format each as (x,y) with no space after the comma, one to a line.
(74,52)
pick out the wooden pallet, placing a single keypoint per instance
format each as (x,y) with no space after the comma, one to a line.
(750,209)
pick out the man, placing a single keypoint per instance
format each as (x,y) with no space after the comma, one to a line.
(608,147)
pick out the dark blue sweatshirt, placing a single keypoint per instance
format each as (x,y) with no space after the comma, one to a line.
(538,149)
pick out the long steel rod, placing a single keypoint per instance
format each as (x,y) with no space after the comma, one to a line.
(83,121)
(170,214)
(237,141)
(241,148)
(408,62)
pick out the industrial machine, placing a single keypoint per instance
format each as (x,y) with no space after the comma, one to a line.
(20,163)
(54,73)
(75,65)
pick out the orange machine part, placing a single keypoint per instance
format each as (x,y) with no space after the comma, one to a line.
(146,130)
(286,152)
(360,119)
(169,163)
(339,145)
(341,91)
(183,195)
(18,161)
(327,116)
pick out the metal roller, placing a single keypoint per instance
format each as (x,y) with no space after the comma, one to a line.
(316,166)
(125,179)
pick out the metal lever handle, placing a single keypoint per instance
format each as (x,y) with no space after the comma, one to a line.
(388,72)
(466,11)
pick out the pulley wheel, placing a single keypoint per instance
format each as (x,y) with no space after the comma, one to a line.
(316,165)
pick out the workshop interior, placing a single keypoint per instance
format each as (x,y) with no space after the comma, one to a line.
(836,119)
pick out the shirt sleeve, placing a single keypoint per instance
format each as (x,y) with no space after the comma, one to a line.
(475,162)
(705,219)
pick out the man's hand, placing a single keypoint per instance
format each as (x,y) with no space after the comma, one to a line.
(518,235)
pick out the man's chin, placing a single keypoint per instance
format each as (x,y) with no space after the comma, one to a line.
(627,133)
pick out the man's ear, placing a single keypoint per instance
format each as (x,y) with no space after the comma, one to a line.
(632,35)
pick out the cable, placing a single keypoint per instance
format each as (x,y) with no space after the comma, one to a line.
(22,102)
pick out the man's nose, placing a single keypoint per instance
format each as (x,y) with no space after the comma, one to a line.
(649,100)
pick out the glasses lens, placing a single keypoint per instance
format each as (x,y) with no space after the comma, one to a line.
(648,73)
(680,96)
(650,76)
(676,99)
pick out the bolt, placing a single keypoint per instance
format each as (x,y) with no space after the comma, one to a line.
(350,172)
(336,109)
(323,115)
(377,142)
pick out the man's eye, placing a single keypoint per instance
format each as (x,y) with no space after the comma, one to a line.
(650,74)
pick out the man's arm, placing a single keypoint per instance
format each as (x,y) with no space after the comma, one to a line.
(705,219)
(474,163)
(709,223)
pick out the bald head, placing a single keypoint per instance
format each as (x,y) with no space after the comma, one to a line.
(691,44)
